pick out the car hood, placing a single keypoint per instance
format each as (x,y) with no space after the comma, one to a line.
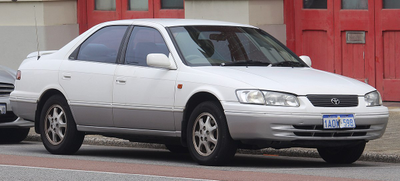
(300,81)
(7,75)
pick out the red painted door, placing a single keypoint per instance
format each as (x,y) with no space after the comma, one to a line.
(314,32)
(92,12)
(338,35)
(388,48)
(355,39)
(132,10)
(99,11)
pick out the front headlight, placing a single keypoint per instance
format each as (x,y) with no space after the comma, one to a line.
(373,99)
(269,98)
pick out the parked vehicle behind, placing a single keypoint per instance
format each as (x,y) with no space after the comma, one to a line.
(208,87)
(12,128)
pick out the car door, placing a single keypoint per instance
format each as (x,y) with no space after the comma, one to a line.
(143,96)
(87,77)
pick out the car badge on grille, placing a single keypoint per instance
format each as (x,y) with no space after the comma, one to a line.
(335,101)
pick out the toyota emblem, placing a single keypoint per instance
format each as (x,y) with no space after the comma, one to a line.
(335,101)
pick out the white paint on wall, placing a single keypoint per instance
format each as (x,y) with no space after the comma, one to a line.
(56,26)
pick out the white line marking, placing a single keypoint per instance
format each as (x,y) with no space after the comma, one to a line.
(112,173)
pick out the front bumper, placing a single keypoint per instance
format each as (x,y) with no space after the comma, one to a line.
(304,123)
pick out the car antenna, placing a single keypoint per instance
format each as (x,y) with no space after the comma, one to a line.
(37,36)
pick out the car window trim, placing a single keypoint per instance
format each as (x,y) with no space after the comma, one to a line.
(124,45)
(123,52)
(74,54)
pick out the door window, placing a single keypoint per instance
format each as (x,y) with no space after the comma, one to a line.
(138,5)
(105,5)
(102,46)
(143,41)
(391,4)
(354,4)
(315,4)
(171,4)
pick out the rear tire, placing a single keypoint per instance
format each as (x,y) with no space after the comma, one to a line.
(342,155)
(13,135)
(208,138)
(57,127)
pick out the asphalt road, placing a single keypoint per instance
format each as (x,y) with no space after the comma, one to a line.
(30,161)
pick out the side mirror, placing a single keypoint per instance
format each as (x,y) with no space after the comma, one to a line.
(306,60)
(160,60)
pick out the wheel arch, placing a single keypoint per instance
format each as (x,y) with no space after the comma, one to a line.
(40,103)
(195,100)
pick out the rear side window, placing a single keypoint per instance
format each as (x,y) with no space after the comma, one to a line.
(102,46)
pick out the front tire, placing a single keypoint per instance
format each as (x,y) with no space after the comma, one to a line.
(342,155)
(208,138)
(57,127)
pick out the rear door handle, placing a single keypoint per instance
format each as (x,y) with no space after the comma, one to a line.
(67,75)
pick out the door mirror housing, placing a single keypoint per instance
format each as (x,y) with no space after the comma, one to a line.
(306,59)
(160,60)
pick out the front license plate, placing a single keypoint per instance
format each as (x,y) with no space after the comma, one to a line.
(3,109)
(339,121)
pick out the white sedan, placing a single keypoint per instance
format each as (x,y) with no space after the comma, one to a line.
(206,87)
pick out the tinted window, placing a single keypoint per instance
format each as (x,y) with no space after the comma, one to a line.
(391,4)
(219,45)
(103,45)
(354,4)
(138,5)
(104,5)
(315,4)
(171,4)
(142,42)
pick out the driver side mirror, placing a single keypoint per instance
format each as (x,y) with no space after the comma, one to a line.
(160,60)
(306,60)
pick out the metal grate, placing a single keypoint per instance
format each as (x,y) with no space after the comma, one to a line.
(6,89)
(333,100)
(318,131)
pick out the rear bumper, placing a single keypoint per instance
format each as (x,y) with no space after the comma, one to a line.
(18,123)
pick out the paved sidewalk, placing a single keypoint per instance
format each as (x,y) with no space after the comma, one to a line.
(385,149)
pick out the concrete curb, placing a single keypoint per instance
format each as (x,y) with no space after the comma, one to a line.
(291,152)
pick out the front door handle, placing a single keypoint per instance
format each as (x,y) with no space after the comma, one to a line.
(121,80)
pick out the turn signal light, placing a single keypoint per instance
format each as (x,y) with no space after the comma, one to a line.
(18,76)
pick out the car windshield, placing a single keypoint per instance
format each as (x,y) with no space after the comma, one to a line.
(231,46)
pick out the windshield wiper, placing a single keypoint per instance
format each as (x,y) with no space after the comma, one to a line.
(246,63)
(288,64)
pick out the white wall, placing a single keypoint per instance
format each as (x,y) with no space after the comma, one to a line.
(266,14)
(56,25)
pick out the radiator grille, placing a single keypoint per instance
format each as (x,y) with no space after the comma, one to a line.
(6,89)
(333,100)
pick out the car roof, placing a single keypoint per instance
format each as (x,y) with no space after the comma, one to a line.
(176,22)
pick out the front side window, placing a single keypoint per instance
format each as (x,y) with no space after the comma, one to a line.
(231,46)
(143,41)
(102,46)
